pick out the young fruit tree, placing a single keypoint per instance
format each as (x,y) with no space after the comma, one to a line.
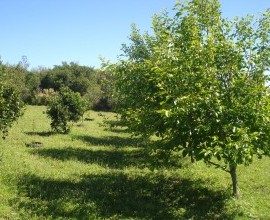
(199,82)
(64,107)
(11,108)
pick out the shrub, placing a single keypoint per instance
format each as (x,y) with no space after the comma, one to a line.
(10,108)
(64,107)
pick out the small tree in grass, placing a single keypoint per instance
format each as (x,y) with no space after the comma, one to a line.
(199,83)
(64,107)
(10,108)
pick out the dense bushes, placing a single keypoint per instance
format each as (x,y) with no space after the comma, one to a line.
(87,81)
(37,85)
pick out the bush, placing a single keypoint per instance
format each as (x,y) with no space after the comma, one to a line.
(10,108)
(64,107)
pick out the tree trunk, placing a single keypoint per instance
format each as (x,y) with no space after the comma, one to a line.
(193,160)
(233,173)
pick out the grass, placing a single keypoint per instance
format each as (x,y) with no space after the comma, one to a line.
(100,173)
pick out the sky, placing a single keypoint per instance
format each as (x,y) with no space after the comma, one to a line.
(49,32)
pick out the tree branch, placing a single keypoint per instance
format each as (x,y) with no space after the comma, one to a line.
(217,166)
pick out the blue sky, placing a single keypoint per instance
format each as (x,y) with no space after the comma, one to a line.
(51,31)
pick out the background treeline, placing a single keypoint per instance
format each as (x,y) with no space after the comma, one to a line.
(37,85)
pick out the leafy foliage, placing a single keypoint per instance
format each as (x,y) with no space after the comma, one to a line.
(64,107)
(14,76)
(107,101)
(10,108)
(86,80)
(36,85)
(199,83)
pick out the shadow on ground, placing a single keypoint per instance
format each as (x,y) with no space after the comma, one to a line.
(138,154)
(40,133)
(113,141)
(115,126)
(113,159)
(119,196)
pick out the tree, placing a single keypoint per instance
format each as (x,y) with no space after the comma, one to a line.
(199,83)
(11,105)
(14,76)
(83,79)
(64,107)
(77,78)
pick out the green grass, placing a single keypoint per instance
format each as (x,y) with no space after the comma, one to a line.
(100,173)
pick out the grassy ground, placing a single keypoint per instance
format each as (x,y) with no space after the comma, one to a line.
(96,173)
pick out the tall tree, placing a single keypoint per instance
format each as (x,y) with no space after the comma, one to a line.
(199,83)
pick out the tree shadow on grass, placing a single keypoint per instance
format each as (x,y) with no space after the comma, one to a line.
(113,141)
(40,133)
(115,126)
(115,159)
(117,130)
(109,158)
(119,196)
(118,155)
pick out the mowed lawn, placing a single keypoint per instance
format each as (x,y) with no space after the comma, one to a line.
(100,173)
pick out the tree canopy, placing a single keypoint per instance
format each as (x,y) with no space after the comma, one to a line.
(199,82)
(11,106)
(64,107)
